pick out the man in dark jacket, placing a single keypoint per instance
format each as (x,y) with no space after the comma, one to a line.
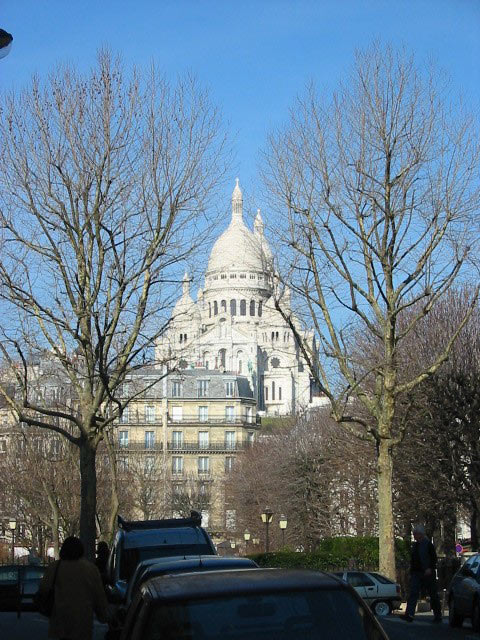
(423,564)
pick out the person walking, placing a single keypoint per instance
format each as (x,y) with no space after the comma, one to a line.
(101,561)
(79,593)
(423,565)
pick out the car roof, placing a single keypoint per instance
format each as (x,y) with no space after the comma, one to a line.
(194,562)
(235,581)
(165,536)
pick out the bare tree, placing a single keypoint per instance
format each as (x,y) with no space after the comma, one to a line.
(375,189)
(104,184)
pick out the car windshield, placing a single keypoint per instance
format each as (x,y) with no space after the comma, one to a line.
(132,557)
(310,615)
(381,578)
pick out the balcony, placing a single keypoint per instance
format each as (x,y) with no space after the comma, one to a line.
(195,419)
(140,446)
(211,446)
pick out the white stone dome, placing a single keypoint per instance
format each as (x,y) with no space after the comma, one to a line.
(238,247)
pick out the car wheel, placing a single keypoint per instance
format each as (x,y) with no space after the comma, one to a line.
(454,619)
(476,616)
(381,608)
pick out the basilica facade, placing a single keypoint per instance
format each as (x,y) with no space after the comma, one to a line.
(233,326)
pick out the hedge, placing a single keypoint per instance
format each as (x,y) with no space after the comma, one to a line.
(334,553)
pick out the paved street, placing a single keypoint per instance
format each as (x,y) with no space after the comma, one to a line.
(32,626)
(422,628)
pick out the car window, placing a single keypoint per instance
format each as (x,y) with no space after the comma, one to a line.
(8,574)
(309,615)
(359,579)
(132,557)
(33,573)
(381,578)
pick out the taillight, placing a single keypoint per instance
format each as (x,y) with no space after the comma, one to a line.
(398,589)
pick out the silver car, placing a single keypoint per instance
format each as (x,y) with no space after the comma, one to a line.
(464,594)
(379,592)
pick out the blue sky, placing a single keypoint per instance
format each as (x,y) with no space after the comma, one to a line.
(254,55)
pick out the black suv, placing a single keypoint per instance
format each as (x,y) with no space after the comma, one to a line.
(144,539)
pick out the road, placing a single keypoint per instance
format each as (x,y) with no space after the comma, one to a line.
(422,628)
(31,626)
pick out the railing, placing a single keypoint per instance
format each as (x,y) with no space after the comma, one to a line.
(183,446)
(211,446)
(240,420)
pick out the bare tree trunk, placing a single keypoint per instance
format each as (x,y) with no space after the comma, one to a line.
(88,493)
(385,509)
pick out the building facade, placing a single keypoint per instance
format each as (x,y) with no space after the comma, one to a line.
(234,326)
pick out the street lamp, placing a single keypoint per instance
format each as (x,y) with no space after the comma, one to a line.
(233,544)
(283,525)
(256,541)
(12,525)
(246,537)
(267,517)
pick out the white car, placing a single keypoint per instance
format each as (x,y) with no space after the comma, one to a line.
(380,593)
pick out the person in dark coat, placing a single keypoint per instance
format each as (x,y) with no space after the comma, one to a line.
(423,565)
(79,593)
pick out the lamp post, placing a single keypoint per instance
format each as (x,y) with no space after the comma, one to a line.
(233,544)
(283,525)
(267,517)
(255,541)
(246,537)
(12,525)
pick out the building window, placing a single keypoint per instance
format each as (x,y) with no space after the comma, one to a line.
(231,519)
(279,393)
(252,307)
(177,439)
(205,518)
(177,414)
(202,414)
(209,309)
(250,438)
(243,276)
(243,307)
(233,307)
(125,389)
(230,388)
(203,439)
(123,439)
(206,360)
(176,389)
(266,393)
(177,465)
(273,390)
(149,465)
(230,414)
(122,464)
(149,439)
(252,276)
(229,464)
(259,309)
(3,445)
(149,413)
(202,388)
(215,308)
(223,306)
(203,465)
(249,414)
(275,362)
(230,439)
(223,276)
(125,416)
(239,361)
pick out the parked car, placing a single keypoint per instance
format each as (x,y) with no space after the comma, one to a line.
(140,540)
(464,594)
(18,585)
(167,566)
(249,604)
(379,592)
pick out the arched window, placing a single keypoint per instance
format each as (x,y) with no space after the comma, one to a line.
(279,393)
(223,306)
(222,357)
(209,309)
(273,390)
(266,393)
(243,307)
(252,307)
(259,309)
(215,308)
(239,361)
(206,359)
(180,338)
(233,307)
(184,337)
